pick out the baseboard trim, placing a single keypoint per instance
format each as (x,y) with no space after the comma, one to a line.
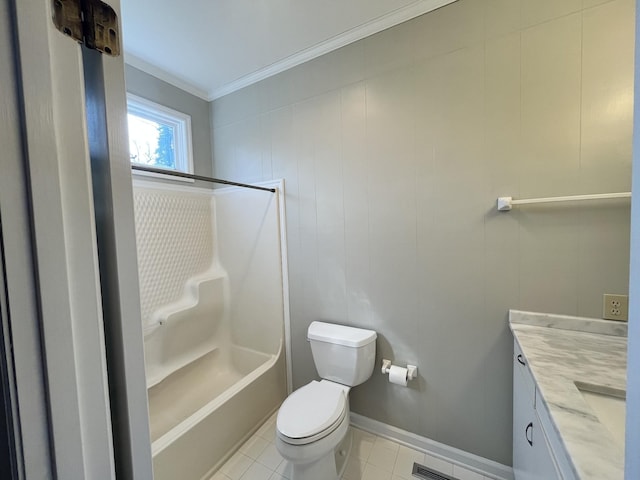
(478,464)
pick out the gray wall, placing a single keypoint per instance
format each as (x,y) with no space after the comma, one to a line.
(149,87)
(394,150)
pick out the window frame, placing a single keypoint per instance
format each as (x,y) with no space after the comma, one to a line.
(181,122)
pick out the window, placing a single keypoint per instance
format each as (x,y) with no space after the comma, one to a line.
(159,137)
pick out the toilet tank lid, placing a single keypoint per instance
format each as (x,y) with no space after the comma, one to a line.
(340,334)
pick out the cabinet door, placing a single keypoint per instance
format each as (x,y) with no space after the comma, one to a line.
(532,458)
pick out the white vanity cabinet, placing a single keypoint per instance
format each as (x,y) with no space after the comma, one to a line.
(532,455)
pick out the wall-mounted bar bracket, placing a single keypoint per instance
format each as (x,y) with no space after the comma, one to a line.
(504,204)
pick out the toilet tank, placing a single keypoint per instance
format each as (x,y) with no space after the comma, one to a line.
(342,354)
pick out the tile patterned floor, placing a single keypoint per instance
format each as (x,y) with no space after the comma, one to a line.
(372,458)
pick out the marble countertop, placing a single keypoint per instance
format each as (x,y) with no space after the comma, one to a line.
(561,350)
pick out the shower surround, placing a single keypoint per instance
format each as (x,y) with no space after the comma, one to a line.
(213,311)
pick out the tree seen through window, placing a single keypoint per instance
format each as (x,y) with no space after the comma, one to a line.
(151,143)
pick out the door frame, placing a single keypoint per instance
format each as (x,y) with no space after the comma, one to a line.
(18,300)
(71,228)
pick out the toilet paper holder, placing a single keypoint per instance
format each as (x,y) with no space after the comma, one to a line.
(412,370)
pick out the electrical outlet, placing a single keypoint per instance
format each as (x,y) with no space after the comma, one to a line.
(615,307)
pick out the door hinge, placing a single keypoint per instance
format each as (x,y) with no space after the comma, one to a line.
(91,22)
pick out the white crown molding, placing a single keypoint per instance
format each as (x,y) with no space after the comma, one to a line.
(417,8)
(165,76)
(396,17)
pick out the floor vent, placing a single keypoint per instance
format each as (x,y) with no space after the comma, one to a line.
(420,471)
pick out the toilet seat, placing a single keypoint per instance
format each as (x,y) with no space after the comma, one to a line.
(312,412)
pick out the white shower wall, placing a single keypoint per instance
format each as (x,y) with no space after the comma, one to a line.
(211,272)
(175,241)
(249,245)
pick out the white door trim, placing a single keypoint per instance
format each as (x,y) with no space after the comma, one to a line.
(18,300)
(65,248)
(64,245)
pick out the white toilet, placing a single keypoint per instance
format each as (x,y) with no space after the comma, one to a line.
(312,424)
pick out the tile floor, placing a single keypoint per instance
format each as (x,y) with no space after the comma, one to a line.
(372,458)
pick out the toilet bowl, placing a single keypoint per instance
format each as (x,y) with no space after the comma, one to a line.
(313,422)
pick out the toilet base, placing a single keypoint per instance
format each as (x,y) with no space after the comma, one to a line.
(322,469)
(322,460)
(343,452)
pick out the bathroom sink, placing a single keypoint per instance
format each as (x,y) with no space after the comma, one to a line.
(609,406)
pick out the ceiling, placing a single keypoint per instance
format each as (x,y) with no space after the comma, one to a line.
(213,47)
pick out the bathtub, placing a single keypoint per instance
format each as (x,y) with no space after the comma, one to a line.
(194,433)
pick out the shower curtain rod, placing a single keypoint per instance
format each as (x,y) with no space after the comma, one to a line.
(173,173)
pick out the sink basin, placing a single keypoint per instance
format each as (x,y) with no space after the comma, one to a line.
(609,406)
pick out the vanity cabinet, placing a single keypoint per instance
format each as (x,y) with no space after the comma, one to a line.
(533,458)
